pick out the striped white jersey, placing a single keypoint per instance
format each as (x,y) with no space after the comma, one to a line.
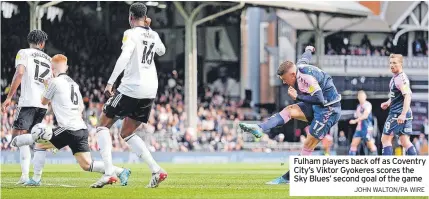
(37,69)
(139,46)
(66,102)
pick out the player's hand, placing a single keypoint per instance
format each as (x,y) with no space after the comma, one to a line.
(5,104)
(385,105)
(147,21)
(353,122)
(292,93)
(108,91)
(46,82)
(310,48)
(401,119)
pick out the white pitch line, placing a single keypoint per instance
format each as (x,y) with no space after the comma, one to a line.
(61,185)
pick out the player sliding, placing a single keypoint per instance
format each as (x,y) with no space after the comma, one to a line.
(67,105)
(364,127)
(399,121)
(319,104)
(33,66)
(135,95)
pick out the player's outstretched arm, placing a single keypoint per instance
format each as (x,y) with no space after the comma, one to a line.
(306,56)
(16,81)
(127,49)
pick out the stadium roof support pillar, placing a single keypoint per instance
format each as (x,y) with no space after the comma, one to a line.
(35,17)
(191,55)
(320,36)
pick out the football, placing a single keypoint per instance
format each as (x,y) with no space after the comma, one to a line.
(41,133)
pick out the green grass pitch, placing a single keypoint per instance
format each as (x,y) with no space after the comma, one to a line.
(184,181)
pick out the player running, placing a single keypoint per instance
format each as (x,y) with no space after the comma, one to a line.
(67,105)
(399,121)
(33,67)
(319,104)
(135,95)
(364,127)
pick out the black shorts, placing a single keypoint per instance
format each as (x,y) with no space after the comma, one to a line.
(76,140)
(27,117)
(122,106)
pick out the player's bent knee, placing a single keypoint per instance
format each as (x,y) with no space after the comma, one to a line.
(126,132)
(84,160)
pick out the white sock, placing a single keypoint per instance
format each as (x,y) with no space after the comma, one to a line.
(98,166)
(25,156)
(38,163)
(24,139)
(139,148)
(105,144)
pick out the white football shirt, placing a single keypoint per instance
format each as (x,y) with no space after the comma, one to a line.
(37,69)
(66,102)
(139,46)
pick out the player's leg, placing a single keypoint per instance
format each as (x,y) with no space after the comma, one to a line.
(310,144)
(38,163)
(387,137)
(58,140)
(104,139)
(370,143)
(138,146)
(87,164)
(39,155)
(355,143)
(298,111)
(406,129)
(324,119)
(22,125)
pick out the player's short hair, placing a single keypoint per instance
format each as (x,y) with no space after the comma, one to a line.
(37,37)
(361,92)
(138,10)
(284,67)
(399,56)
(59,58)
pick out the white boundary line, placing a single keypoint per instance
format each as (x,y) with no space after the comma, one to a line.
(46,184)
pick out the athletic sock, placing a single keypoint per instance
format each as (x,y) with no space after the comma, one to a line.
(139,147)
(25,155)
(38,163)
(276,120)
(98,166)
(24,139)
(105,144)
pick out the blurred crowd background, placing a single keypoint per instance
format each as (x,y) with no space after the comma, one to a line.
(92,55)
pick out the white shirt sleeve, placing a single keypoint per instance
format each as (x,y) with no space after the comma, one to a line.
(128,47)
(50,91)
(80,101)
(21,59)
(160,47)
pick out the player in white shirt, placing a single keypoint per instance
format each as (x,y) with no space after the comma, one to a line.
(33,67)
(135,95)
(67,105)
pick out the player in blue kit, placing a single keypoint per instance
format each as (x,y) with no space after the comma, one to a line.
(364,126)
(319,104)
(399,121)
